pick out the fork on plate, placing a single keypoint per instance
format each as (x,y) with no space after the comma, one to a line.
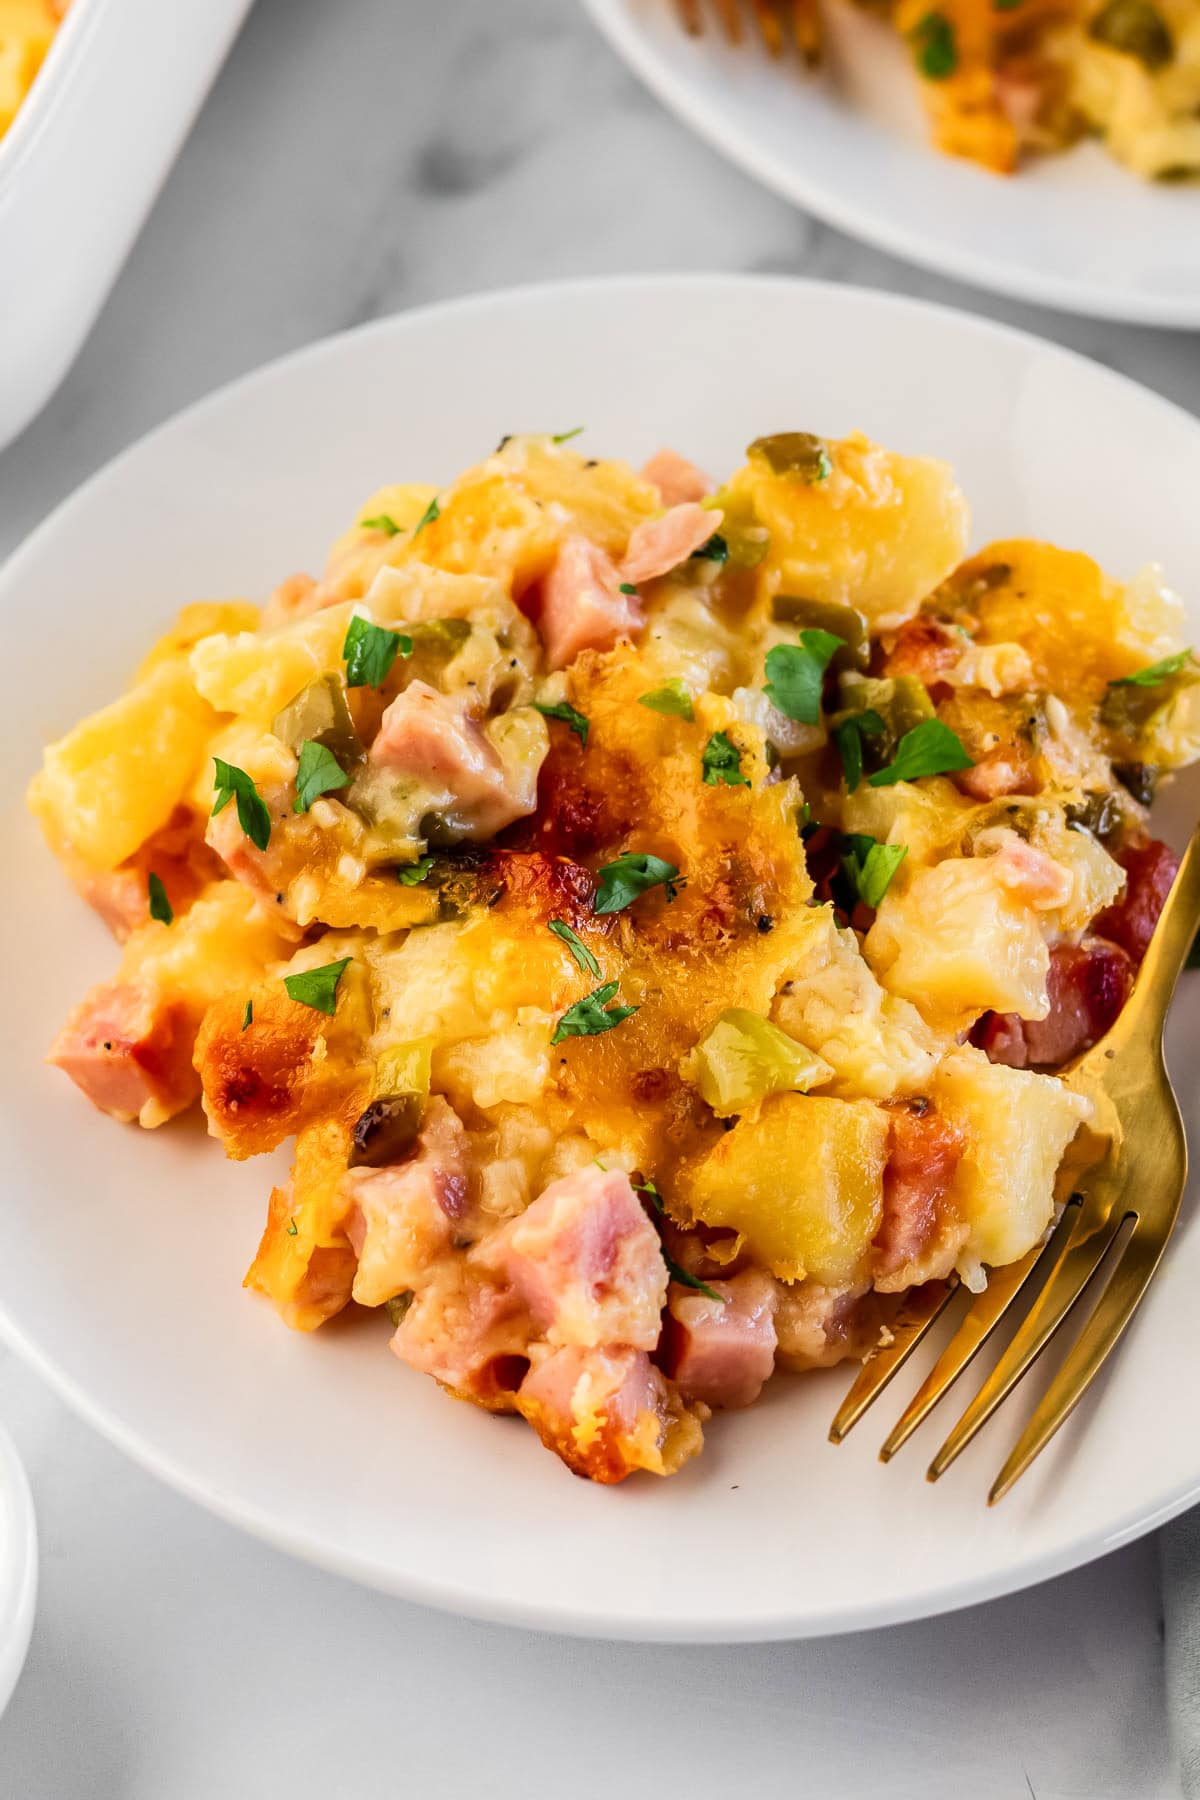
(778,22)
(1109,1237)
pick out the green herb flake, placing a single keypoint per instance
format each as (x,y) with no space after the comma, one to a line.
(652,1194)
(398,1305)
(673,696)
(292,1228)
(583,957)
(380,522)
(160,907)
(678,1273)
(318,987)
(592,1015)
(230,783)
(848,737)
(1156,673)
(319,773)
(567,714)
(248,1016)
(413,874)
(369,651)
(620,882)
(930,748)
(935,46)
(1006,5)
(870,866)
(715,550)
(722,762)
(796,674)
(627,587)
(564,437)
(432,511)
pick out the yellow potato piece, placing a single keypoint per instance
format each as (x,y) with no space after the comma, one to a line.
(802,1182)
(120,774)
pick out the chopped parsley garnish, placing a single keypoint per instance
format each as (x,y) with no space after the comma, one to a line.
(796,674)
(848,737)
(592,1015)
(935,46)
(627,587)
(652,1194)
(1159,671)
(248,1016)
(564,437)
(1007,5)
(160,907)
(722,762)
(381,522)
(930,748)
(715,550)
(319,773)
(293,1229)
(678,1273)
(413,874)
(579,950)
(370,650)
(432,511)
(870,866)
(568,715)
(318,987)
(398,1305)
(621,881)
(253,817)
(673,696)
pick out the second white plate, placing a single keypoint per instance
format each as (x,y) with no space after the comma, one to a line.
(1075,231)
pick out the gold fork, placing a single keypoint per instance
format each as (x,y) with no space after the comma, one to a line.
(776,20)
(1131,1193)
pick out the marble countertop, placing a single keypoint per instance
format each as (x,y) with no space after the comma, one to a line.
(353,160)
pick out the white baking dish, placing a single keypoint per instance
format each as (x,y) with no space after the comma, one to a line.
(80,167)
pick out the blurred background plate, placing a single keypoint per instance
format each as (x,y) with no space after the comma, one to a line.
(124,1251)
(18,1568)
(849,144)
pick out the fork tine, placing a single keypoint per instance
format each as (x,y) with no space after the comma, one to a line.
(1122,1295)
(977,1327)
(1085,1245)
(916,1316)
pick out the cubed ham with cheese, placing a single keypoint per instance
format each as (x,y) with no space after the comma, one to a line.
(722,1350)
(1087,985)
(659,545)
(582,606)
(607,1411)
(469,1333)
(130,1051)
(1150,868)
(433,738)
(676,479)
(587,1262)
(402,1219)
(920,1236)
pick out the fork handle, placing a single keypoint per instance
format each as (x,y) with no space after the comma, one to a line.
(1173,935)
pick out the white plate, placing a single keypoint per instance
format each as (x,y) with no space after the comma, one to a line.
(1075,231)
(123,1252)
(18,1568)
(79,170)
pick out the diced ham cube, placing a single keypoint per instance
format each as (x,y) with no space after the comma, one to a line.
(582,606)
(607,1412)
(676,479)
(402,1219)
(1025,870)
(176,853)
(659,545)
(1150,868)
(130,1051)
(294,598)
(1087,985)
(469,1333)
(259,870)
(924,647)
(817,1326)
(721,1351)
(918,1240)
(434,738)
(587,1262)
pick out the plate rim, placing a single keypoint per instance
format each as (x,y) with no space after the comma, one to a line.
(792,182)
(440,1592)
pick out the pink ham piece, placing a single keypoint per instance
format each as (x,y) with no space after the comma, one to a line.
(608,1411)
(587,1262)
(582,606)
(259,870)
(676,479)
(434,738)
(402,1219)
(130,1052)
(721,1351)
(1150,868)
(918,1238)
(1087,984)
(469,1333)
(659,545)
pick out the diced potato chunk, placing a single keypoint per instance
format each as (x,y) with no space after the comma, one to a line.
(199,620)
(802,1182)
(119,775)
(1017,1126)
(255,674)
(956,942)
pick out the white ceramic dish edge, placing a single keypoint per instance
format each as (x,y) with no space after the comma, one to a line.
(18,1570)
